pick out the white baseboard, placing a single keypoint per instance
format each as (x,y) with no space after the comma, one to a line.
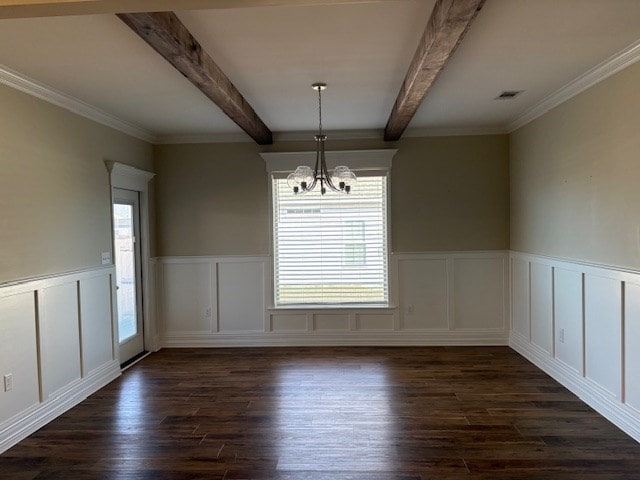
(24,424)
(621,415)
(337,339)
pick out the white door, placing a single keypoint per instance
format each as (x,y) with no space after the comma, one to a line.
(126,241)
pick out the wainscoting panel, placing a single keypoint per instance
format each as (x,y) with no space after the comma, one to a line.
(423,288)
(96,325)
(58,345)
(603,332)
(479,293)
(241,310)
(289,322)
(187,297)
(520,291)
(568,318)
(542,306)
(58,318)
(596,342)
(18,355)
(428,286)
(332,322)
(632,345)
(374,322)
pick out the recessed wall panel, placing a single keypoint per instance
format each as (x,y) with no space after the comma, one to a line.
(423,294)
(632,345)
(478,293)
(241,296)
(18,355)
(520,297)
(568,317)
(603,317)
(288,323)
(542,306)
(59,336)
(187,297)
(96,322)
(331,322)
(375,321)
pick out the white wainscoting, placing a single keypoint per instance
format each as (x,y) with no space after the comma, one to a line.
(580,323)
(456,298)
(58,339)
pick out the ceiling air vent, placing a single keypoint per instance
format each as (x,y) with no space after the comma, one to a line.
(509,94)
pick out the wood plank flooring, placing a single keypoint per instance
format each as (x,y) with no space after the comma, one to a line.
(329,414)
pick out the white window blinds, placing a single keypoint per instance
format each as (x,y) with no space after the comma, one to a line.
(331,249)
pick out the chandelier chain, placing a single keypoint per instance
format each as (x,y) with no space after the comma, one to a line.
(320,108)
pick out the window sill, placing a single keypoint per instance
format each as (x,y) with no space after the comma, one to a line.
(324,308)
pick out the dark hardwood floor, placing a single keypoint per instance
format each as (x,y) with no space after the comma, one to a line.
(329,414)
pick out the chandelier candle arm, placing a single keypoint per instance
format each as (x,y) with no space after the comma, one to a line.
(304,180)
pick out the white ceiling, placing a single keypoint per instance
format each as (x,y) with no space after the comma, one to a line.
(362,50)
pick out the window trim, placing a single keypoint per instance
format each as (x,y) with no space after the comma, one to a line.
(364,163)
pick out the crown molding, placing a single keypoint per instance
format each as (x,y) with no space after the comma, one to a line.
(452,131)
(238,137)
(301,136)
(610,66)
(39,90)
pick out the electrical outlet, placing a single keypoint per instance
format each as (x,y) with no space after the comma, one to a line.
(207,312)
(561,336)
(106,258)
(8,382)
(409,310)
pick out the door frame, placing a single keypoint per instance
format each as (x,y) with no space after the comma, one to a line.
(133,346)
(130,178)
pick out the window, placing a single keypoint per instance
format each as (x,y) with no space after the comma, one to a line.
(331,249)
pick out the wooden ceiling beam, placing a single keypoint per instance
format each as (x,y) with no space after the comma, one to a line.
(448,23)
(54,8)
(170,38)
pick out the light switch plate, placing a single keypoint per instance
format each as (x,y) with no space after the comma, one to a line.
(8,382)
(106,258)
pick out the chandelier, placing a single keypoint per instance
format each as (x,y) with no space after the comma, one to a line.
(304,179)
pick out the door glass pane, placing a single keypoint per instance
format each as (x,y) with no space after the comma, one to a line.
(125,270)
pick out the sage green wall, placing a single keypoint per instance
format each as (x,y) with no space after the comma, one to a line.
(447,194)
(450,193)
(212,199)
(575,176)
(54,187)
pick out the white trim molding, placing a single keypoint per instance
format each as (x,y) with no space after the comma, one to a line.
(49,94)
(235,137)
(417,132)
(25,423)
(439,298)
(131,178)
(578,322)
(378,159)
(128,177)
(610,66)
(63,346)
(336,339)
